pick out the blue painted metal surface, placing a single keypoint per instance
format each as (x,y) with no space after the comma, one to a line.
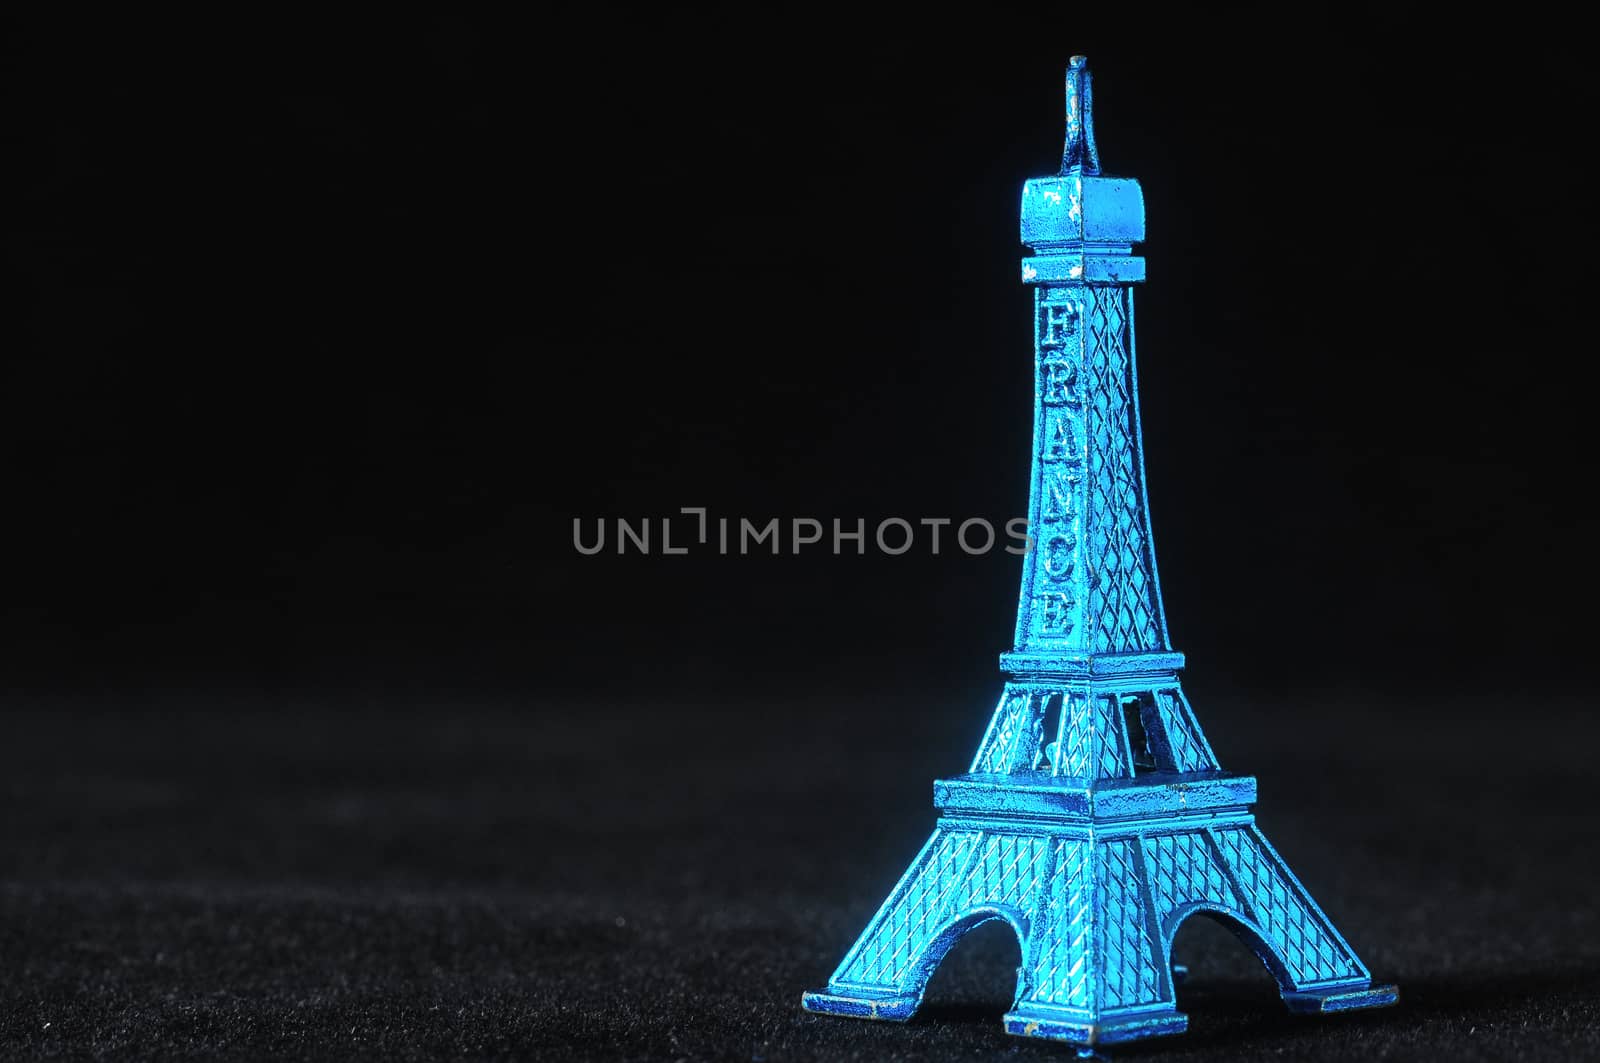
(1095,817)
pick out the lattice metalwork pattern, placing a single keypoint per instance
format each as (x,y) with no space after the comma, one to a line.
(1013,735)
(1091,743)
(1120,616)
(1183,871)
(1009,873)
(1067,732)
(1061,945)
(1305,942)
(1177,734)
(1128,965)
(900,933)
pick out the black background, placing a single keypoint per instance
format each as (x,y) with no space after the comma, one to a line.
(326,333)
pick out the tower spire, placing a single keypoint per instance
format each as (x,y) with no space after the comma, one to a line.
(1078,152)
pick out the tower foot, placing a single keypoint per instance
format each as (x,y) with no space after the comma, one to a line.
(864,1006)
(1106,1032)
(1340,998)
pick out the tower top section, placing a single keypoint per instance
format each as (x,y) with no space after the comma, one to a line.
(1080,210)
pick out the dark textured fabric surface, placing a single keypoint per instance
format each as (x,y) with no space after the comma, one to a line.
(301,877)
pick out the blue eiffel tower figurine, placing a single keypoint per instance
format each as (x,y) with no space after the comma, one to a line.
(1095,818)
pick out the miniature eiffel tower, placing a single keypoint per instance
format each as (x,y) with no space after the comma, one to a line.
(1095,818)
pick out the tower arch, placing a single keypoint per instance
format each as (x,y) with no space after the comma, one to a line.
(1245,931)
(957,927)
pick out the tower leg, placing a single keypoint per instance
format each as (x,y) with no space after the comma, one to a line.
(1100,971)
(1316,969)
(944,894)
